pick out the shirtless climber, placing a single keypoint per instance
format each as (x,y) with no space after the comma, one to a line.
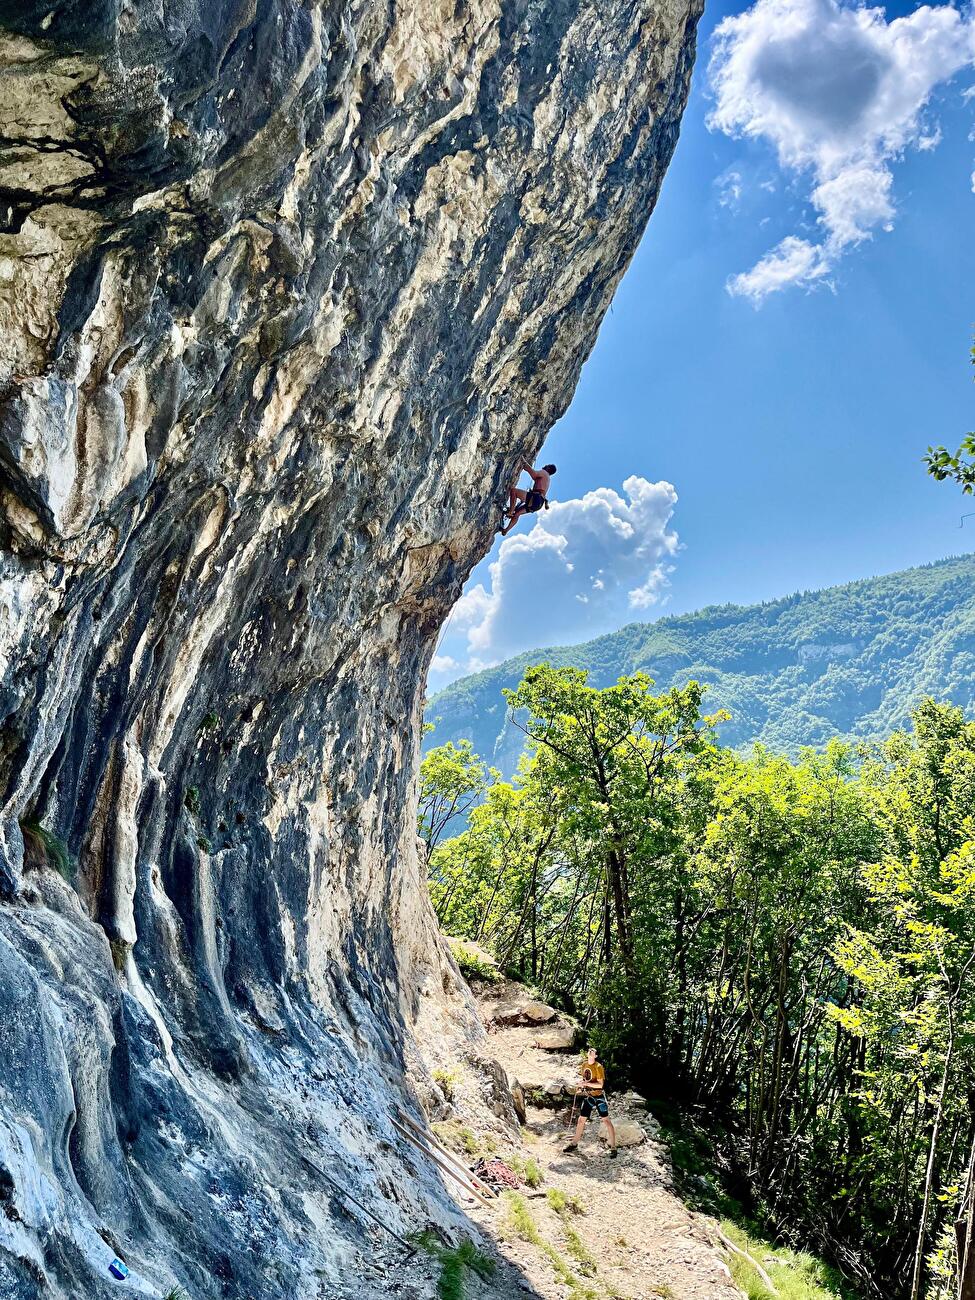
(592,1087)
(526,501)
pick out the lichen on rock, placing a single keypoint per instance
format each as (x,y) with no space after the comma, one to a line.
(286,290)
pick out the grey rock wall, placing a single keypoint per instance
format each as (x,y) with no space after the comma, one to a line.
(286,290)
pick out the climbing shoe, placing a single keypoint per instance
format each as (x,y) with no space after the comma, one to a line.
(573,1146)
(613,1153)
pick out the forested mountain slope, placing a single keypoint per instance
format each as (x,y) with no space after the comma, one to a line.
(848,660)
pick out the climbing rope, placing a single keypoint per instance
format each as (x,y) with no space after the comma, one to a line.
(443,630)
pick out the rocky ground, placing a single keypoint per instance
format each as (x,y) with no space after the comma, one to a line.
(592,1227)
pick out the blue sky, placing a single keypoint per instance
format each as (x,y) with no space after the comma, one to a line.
(790,421)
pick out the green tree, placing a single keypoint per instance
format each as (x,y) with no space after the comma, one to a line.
(613,762)
(452,781)
(912,1003)
(779,864)
(959,466)
(789,947)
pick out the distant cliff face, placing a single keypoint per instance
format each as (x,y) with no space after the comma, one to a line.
(286,289)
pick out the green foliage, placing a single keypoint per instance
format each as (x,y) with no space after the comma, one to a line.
(787,946)
(452,780)
(795,1275)
(577,1248)
(521,1222)
(459,1138)
(473,964)
(474,1259)
(191,800)
(177,1293)
(564,1202)
(697,1156)
(447,1081)
(454,1261)
(45,848)
(529,1170)
(523,1225)
(958,466)
(848,661)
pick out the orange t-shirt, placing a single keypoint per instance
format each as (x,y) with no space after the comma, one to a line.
(597,1077)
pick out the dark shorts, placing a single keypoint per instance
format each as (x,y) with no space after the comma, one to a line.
(597,1104)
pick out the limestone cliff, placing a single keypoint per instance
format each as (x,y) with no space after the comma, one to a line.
(287,287)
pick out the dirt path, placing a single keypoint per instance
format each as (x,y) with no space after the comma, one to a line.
(593,1227)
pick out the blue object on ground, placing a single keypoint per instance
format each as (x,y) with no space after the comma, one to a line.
(118,1269)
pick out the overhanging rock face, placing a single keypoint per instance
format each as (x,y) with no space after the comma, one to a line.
(286,290)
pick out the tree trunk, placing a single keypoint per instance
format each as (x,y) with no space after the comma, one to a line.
(922,1230)
(614,867)
(964,1231)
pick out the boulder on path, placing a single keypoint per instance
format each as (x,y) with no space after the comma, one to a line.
(560,1038)
(631,1098)
(628,1134)
(523,1011)
(533,1085)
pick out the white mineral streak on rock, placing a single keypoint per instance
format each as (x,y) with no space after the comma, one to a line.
(193,648)
(129,788)
(34,1196)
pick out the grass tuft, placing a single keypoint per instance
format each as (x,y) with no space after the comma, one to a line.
(44,848)
(564,1203)
(529,1170)
(472,964)
(520,1221)
(476,1260)
(465,1140)
(796,1274)
(577,1249)
(454,1262)
(447,1081)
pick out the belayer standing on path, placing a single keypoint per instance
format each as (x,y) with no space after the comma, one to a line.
(526,501)
(594,1099)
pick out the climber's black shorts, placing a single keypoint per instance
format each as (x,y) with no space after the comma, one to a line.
(598,1104)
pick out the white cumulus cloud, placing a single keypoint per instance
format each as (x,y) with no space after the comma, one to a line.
(839,93)
(793,261)
(729,189)
(585,567)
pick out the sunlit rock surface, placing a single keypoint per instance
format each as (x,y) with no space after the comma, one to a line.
(286,290)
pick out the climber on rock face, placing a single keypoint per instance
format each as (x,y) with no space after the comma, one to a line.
(593,1099)
(526,501)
